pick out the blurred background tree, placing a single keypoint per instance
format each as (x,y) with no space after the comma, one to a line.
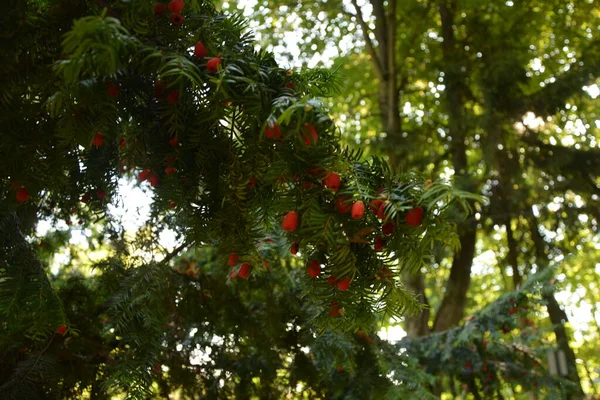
(95,307)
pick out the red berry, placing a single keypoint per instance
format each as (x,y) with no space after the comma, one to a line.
(468,364)
(113,89)
(159,89)
(294,248)
(200,50)
(170,170)
(22,195)
(313,268)
(290,221)
(309,134)
(144,175)
(177,19)
(233,259)
(122,143)
(176,6)
(290,85)
(106,320)
(85,198)
(331,280)
(98,140)
(358,210)
(272,132)
(159,8)
(154,180)
(343,204)
(381,211)
(332,181)
(62,329)
(306,184)
(335,309)
(340,368)
(172,204)
(388,228)
(213,64)
(374,205)
(379,243)
(343,284)
(244,271)
(173,97)
(101,194)
(170,160)
(173,142)
(414,216)
(251,182)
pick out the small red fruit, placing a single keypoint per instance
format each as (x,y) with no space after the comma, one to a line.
(379,243)
(388,228)
(414,216)
(200,50)
(85,198)
(62,329)
(272,132)
(154,180)
(98,140)
(290,221)
(343,284)
(332,181)
(173,142)
(172,204)
(343,204)
(113,89)
(176,6)
(374,205)
(173,97)
(170,170)
(101,194)
(213,64)
(313,268)
(244,271)
(159,8)
(309,134)
(381,211)
(336,309)
(294,248)
(159,89)
(177,19)
(233,259)
(122,143)
(358,210)
(251,182)
(22,195)
(331,280)
(144,175)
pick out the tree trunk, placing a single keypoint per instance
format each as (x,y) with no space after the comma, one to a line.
(417,325)
(558,317)
(452,308)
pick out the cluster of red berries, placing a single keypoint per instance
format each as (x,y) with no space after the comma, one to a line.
(242,272)
(175,6)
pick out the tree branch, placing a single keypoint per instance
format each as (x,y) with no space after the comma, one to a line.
(553,96)
(368,42)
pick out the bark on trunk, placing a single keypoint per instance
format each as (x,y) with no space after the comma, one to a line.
(452,308)
(417,325)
